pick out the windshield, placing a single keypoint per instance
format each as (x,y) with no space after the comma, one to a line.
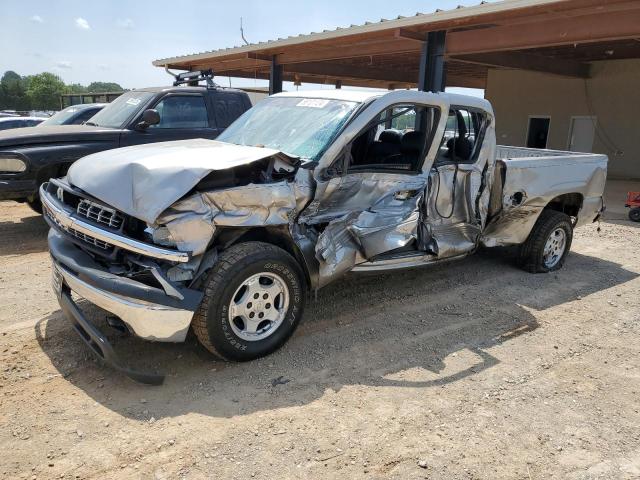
(62,116)
(300,127)
(121,109)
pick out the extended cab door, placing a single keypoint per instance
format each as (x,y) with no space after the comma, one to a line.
(182,116)
(455,210)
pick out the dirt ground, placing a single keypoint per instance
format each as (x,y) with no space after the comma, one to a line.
(473,369)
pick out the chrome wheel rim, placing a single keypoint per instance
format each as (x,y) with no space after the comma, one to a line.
(554,248)
(258,306)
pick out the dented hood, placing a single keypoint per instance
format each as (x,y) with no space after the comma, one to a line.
(145,180)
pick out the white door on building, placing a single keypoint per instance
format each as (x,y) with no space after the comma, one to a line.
(581,134)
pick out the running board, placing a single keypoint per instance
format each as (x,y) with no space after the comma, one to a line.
(404,261)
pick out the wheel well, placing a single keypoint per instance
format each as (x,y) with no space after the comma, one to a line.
(50,171)
(278,236)
(568,203)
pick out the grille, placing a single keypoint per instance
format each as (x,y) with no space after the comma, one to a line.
(89,239)
(79,235)
(100,214)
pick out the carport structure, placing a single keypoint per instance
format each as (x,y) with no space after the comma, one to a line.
(429,51)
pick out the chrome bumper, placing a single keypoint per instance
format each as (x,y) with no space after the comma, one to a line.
(147,311)
(67,220)
(146,320)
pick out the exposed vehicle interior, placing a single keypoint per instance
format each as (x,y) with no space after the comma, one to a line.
(396,140)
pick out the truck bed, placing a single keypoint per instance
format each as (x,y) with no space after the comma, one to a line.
(528,179)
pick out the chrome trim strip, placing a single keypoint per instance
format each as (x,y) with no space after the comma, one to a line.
(147,320)
(67,220)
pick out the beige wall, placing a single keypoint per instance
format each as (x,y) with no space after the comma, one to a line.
(614,98)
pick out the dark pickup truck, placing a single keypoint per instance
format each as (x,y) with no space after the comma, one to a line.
(30,156)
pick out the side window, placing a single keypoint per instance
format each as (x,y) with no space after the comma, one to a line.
(462,136)
(397,139)
(182,111)
(228,107)
(84,116)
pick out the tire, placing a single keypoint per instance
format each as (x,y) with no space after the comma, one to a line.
(35,205)
(634,214)
(533,257)
(241,272)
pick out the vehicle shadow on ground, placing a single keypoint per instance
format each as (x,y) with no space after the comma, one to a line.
(363,330)
(29,235)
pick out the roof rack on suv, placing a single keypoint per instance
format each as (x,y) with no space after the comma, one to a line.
(192,78)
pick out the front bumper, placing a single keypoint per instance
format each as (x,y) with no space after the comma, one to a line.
(13,189)
(148,312)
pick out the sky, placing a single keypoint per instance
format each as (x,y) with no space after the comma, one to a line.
(116,41)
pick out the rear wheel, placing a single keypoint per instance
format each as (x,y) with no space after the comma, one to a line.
(634,214)
(254,299)
(548,244)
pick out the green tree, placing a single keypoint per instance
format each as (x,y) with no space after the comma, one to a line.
(44,91)
(102,87)
(76,88)
(13,91)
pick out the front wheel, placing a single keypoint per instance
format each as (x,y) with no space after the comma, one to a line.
(548,244)
(634,214)
(254,299)
(35,205)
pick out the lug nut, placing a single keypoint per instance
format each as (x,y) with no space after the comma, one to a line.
(265,296)
(268,305)
(256,296)
(251,315)
(249,305)
(260,315)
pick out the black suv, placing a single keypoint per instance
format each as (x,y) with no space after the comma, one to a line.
(30,156)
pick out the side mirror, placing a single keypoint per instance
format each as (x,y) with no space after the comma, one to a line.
(149,117)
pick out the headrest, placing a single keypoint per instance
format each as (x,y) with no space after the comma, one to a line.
(391,136)
(412,142)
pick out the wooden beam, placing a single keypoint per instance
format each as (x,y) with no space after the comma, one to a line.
(353,71)
(259,56)
(403,33)
(327,73)
(526,61)
(608,26)
(352,50)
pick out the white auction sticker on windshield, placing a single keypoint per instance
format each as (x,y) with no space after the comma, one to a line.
(312,102)
(133,101)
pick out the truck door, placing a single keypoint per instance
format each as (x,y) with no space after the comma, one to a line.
(368,201)
(182,116)
(455,208)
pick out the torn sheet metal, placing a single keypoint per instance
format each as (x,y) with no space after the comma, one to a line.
(356,237)
(144,180)
(358,192)
(193,220)
(449,224)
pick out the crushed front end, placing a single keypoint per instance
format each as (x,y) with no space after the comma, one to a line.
(108,258)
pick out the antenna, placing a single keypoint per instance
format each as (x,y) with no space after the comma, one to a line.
(242,33)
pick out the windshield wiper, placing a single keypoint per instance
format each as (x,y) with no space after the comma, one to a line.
(92,124)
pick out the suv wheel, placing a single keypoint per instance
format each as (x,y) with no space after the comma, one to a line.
(254,299)
(548,244)
(35,205)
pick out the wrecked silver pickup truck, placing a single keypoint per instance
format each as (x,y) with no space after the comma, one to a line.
(227,237)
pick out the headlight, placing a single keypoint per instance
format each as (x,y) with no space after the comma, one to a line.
(12,165)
